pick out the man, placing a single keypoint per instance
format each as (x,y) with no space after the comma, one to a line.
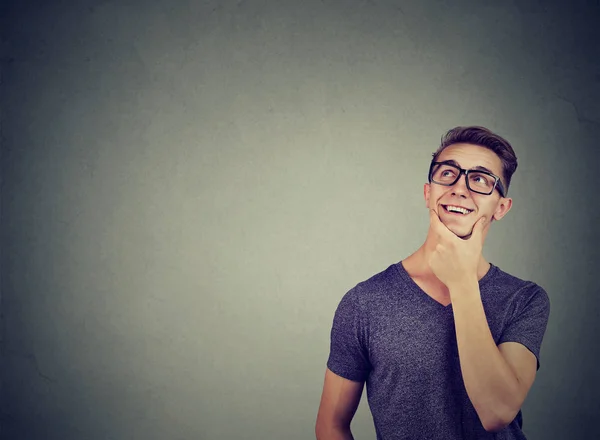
(447,343)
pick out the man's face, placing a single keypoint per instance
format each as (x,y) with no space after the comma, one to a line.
(439,197)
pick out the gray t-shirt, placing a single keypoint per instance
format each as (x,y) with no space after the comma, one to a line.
(388,332)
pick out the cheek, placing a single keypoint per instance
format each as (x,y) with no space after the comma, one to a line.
(431,199)
(487,210)
(435,197)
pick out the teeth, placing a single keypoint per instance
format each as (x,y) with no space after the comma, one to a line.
(457,209)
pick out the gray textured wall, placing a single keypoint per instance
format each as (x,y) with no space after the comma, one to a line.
(189,188)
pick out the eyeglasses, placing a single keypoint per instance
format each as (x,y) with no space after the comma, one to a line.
(481,182)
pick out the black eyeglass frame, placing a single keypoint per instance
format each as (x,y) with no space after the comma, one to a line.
(497,182)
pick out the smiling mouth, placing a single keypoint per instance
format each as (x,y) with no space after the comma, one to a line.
(456,210)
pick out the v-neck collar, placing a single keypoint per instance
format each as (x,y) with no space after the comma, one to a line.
(409,281)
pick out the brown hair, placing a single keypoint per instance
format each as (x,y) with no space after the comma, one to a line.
(483,137)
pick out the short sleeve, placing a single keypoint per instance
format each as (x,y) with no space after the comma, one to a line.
(348,356)
(528,323)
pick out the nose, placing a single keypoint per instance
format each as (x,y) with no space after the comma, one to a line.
(460,186)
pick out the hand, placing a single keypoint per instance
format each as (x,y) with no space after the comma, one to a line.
(455,260)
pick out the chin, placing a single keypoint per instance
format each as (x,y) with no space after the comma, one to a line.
(462,232)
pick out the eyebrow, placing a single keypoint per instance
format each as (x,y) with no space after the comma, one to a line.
(477,168)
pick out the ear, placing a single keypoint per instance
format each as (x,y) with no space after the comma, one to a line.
(504,205)
(426,191)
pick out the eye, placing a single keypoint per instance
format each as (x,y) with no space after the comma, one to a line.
(481,179)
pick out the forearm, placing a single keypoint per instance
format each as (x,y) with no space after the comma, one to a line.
(491,384)
(334,433)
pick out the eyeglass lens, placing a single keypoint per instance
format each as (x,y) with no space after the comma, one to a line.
(478,181)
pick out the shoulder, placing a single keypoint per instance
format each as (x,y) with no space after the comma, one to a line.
(518,292)
(381,283)
(372,291)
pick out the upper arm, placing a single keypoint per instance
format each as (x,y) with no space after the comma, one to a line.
(523,363)
(339,402)
(521,339)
